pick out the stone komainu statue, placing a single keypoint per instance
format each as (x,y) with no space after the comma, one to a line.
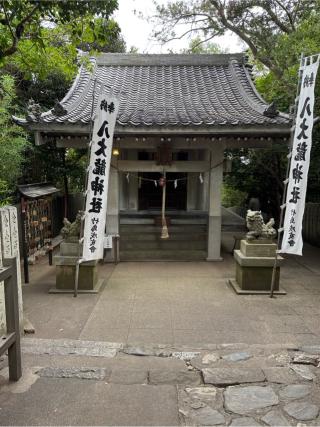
(72,230)
(257,228)
(33,111)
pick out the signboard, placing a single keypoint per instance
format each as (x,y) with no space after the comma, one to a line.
(98,177)
(108,241)
(300,158)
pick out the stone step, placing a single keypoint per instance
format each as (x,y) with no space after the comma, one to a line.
(156,237)
(161,255)
(194,221)
(148,228)
(163,244)
(127,221)
(157,212)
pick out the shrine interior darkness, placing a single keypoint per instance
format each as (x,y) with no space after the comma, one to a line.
(150,195)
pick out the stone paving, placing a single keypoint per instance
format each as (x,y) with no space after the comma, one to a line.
(180,303)
(170,344)
(226,385)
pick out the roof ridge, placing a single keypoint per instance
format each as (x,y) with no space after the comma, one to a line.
(167,59)
(254,105)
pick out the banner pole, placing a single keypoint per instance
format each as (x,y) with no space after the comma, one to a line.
(285,182)
(79,261)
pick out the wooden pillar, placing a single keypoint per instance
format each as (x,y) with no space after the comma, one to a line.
(192,185)
(203,189)
(123,193)
(214,211)
(133,184)
(112,220)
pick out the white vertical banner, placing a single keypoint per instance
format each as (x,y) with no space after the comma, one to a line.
(299,166)
(98,177)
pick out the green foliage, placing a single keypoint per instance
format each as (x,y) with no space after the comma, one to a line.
(259,173)
(52,68)
(286,54)
(52,164)
(276,32)
(26,19)
(232,196)
(39,46)
(13,141)
(258,23)
(44,91)
(197,45)
(306,40)
(45,58)
(5,198)
(76,163)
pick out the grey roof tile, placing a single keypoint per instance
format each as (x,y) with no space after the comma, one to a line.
(169,90)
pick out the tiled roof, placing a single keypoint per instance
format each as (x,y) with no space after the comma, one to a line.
(168,91)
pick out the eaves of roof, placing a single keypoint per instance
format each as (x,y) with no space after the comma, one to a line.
(166,93)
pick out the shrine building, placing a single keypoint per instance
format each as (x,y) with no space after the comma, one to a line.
(178,114)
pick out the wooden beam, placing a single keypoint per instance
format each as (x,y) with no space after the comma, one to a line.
(151,166)
(84,129)
(79,143)
(178,143)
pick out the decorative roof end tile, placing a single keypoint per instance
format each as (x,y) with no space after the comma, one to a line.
(34,111)
(271,111)
(59,110)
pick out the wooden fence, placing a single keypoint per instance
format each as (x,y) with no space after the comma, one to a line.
(311,224)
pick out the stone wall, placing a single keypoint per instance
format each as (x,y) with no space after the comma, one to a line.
(9,238)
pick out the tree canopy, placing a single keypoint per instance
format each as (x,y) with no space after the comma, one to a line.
(40,42)
(258,23)
(26,20)
(13,141)
(275,33)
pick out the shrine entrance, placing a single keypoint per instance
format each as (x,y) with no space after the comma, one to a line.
(150,192)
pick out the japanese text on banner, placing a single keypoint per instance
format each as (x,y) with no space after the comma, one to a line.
(98,178)
(296,193)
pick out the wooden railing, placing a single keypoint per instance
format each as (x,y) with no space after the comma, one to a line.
(11,340)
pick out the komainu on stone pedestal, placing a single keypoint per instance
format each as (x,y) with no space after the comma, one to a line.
(257,228)
(71,231)
(255,259)
(70,251)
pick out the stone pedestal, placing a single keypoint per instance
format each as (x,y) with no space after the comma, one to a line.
(65,264)
(254,266)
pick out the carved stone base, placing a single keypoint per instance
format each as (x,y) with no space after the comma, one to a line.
(65,276)
(239,291)
(256,278)
(66,269)
(254,266)
(95,290)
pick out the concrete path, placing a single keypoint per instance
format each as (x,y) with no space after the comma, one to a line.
(180,303)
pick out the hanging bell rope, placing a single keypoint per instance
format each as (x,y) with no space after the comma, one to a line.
(164,231)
